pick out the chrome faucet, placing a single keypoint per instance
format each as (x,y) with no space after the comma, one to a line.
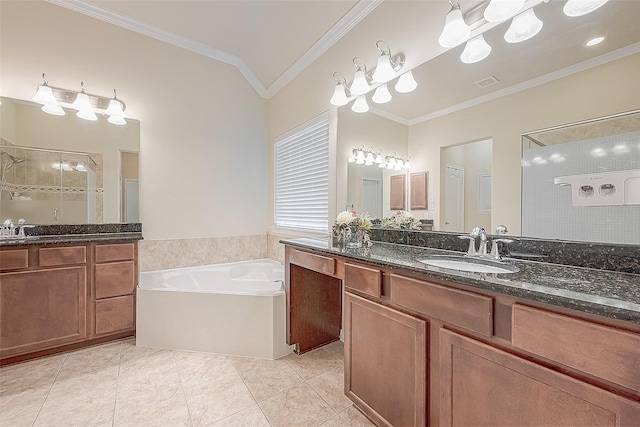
(479,232)
(495,251)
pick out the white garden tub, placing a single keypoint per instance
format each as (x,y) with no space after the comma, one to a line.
(236,309)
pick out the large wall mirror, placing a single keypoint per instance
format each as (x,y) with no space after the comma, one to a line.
(547,81)
(65,170)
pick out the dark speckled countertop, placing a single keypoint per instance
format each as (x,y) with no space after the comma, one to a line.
(611,294)
(74,233)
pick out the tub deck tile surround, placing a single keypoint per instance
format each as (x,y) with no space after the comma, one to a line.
(120,384)
(178,253)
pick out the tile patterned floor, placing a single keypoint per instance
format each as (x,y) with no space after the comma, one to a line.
(119,384)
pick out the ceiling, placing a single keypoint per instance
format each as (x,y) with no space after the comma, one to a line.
(269,41)
(272,41)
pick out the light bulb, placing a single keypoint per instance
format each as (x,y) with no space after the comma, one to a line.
(407,164)
(83,105)
(384,71)
(44,96)
(339,97)
(359,86)
(379,159)
(501,10)
(406,83)
(381,95)
(455,30)
(523,27)
(360,105)
(581,7)
(475,50)
(54,109)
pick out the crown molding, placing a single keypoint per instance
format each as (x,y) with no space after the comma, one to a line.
(343,26)
(389,116)
(350,19)
(564,72)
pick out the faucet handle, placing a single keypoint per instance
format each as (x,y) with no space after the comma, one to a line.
(472,244)
(501,230)
(495,253)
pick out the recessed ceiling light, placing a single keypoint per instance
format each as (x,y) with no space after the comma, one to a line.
(594,41)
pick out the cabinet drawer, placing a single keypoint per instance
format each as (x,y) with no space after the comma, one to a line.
(313,262)
(66,255)
(116,252)
(602,351)
(465,309)
(115,314)
(13,259)
(115,279)
(363,279)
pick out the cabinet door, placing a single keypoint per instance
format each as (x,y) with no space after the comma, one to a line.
(42,309)
(485,386)
(385,362)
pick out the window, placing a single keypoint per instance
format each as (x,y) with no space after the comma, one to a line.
(302,179)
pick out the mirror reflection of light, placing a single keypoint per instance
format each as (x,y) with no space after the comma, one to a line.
(525,163)
(538,161)
(598,152)
(557,158)
(621,149)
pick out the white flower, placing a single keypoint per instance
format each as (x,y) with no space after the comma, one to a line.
(345,217)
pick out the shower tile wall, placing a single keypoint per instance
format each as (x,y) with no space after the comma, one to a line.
(177,253)
(547,208)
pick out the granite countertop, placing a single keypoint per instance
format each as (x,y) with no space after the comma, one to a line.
(606,293)
(76,233)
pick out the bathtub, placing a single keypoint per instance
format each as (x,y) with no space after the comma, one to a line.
(235,309)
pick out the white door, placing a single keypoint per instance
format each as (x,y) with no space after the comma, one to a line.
(454,200)
(131,194)
(372,197)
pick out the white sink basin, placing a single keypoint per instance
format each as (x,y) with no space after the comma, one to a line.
(464,263)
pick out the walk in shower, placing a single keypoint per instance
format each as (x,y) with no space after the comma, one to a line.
(49,186)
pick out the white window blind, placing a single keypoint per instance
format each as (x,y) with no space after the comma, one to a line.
(302,179)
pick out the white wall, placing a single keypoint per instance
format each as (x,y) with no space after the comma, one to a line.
(203,128)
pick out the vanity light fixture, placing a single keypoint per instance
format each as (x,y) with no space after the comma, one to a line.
(523,27)
(455,30)
(360,105)
(381,95)
(386,69)
(339,97)
(54,98)
(359,86)
(83,105)
(475,50)
(406,83)
(45,97)
(115,111)
(360,156)
(501,10)
(575,8)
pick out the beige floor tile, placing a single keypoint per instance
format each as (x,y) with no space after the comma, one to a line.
(335,349)
(297,406)
(146,363)
(24,420)
(267,380)
(244,363)
(330,386)
(336,421)
(172,412)
(211,366)
(214,401)
(32,374)
(250,417)
(355,418)
(137,392)
(15,403)
(88,361)
(314,363)
(82,383)
(89,409)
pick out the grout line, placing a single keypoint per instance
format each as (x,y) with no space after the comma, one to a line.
(184,394)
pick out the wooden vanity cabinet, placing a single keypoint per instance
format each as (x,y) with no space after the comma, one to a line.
(115,281)
(385,362)
(424,353)
(57,297)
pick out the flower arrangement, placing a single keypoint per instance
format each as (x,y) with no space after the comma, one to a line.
(401,219)
(352,229)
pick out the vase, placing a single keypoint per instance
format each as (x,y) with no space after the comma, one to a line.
(353,238)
